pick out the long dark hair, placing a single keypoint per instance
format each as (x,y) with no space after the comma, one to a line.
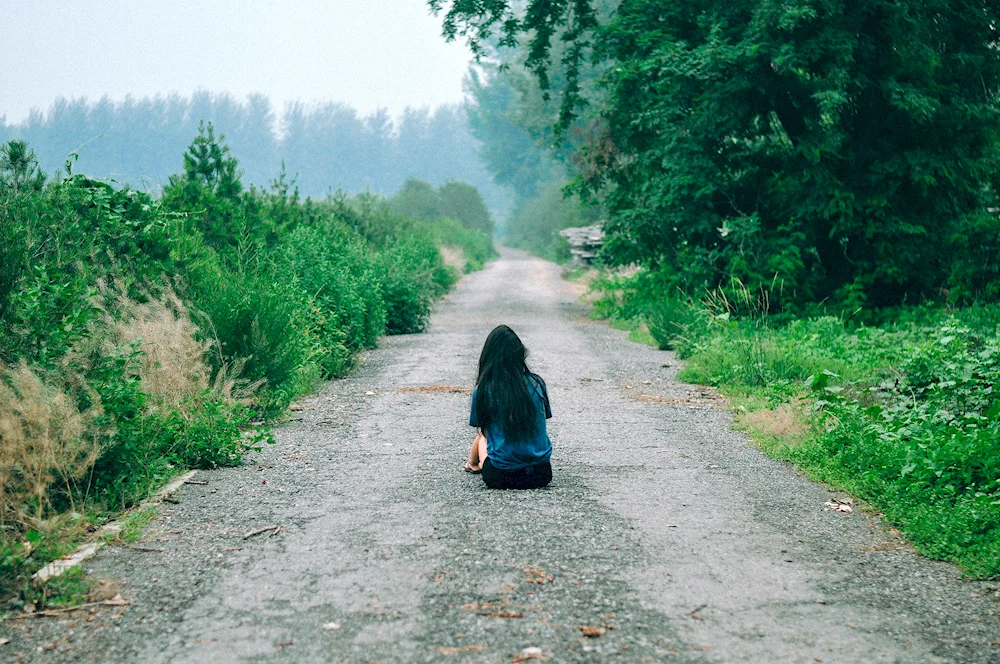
(503,393)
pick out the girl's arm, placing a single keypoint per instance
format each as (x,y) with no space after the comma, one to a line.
(477,455)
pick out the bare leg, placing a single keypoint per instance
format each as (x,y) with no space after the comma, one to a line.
(477,455)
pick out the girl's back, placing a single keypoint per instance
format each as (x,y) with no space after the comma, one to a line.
(523,449)
(509,406)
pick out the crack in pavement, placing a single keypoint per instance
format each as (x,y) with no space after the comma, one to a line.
(664,536)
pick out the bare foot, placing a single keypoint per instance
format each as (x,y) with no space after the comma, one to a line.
(469,468)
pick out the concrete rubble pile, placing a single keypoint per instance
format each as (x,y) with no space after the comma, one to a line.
(584,242)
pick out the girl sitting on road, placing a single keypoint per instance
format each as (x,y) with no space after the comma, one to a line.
(509,405)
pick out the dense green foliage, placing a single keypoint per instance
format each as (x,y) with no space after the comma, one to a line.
(535,223)
(848,149)
(462,202)
(139,336)
(510,119)
(327,146)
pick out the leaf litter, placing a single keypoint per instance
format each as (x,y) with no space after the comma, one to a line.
(845,506)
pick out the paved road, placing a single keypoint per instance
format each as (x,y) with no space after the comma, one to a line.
(663,529)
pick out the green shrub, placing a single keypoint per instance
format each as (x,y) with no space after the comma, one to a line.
(476,247)
(904,414)
(261,321)
(332,262)
(535,223)
(413,274)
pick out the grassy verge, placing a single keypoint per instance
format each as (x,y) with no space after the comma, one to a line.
(902,415)
(140,337)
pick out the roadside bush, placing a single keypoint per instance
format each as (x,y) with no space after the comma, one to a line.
(476,247)
(924,448)
(413,274)
(332,262)
(260,319)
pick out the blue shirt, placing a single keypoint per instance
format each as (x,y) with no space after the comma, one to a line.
(516,454)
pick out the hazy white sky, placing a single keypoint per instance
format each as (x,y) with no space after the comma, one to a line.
(368,53)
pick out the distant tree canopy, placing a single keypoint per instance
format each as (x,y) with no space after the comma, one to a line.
(462,202)
(514,122)
(846,149)
(324,147)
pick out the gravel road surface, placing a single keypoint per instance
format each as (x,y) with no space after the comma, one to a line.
(664,537)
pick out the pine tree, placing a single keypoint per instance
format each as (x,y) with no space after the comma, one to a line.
(210,189)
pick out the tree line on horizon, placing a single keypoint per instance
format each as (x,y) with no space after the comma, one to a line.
(324,147)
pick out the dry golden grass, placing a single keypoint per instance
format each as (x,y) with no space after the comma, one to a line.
(787,422)
(47,442)
(454,257)
(173,370)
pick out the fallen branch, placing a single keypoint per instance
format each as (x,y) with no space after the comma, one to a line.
(195,482)
(146,549)
(117,600)
(275,528)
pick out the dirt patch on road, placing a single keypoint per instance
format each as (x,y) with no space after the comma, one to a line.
(437,389)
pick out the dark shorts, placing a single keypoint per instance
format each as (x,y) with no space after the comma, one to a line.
(532,477)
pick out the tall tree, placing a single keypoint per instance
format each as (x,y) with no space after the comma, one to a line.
(210,189)
(847,148)
(464,203)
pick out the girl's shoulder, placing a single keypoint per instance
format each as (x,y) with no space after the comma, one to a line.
(536,381)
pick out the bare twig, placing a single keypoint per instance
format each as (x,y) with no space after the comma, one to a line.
(274,528)
(50,613)
(195,482)
(694,612)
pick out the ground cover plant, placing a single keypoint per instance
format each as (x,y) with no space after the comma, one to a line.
(901,413)
(142,336)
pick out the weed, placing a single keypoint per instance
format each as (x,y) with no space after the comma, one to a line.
(135,522)
(48,444)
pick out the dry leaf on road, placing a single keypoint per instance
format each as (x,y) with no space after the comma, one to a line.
(527,655)
(460,649)
(837,505)
(536,575)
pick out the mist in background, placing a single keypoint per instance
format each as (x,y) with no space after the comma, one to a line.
(371,55)
(349,94)
(325,147)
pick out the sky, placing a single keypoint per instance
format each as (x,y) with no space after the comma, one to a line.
(368,53)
